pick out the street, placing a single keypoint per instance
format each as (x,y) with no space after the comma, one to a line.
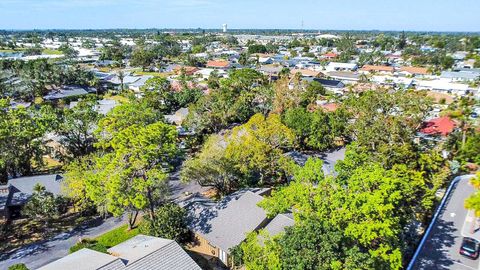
(39,254)
(441,248)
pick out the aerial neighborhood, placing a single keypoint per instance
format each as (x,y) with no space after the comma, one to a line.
(238,149)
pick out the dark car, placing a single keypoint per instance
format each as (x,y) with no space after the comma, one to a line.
(469,248)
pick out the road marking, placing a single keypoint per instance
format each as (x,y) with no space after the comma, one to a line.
(464,265)
(452,215)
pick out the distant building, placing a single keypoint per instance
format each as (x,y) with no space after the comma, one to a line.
(224,28)
(439,126)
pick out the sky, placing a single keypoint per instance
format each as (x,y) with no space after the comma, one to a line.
(407,15)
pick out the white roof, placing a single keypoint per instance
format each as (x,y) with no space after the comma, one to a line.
(84,259)
(138,247)
(341,65)
(441,85)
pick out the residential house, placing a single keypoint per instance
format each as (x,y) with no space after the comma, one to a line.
(377,69)
(441,126)
(272,71)
(138,253)
(306,72)
(344,76)
(186,69)
(337,66)
(414,71)
(69,92)
(204,73)
(218,64)
(17,191)
(219,227)
(455,76)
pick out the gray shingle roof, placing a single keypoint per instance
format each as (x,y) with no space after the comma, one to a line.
(69,91)
(169,256)
(227,223)
(22,188)
(279,223)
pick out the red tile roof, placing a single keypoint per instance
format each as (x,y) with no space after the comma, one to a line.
(218,64)
(330,55)
(415,70)
(438,126)
(377,68)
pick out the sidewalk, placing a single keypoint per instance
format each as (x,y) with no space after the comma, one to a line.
(471,226)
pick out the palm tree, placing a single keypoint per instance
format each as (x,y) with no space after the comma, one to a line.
(121,77)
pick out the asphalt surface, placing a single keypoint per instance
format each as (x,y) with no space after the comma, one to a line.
(441,248)
(39,254)
(42,253)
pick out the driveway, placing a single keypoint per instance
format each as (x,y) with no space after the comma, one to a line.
(441,246)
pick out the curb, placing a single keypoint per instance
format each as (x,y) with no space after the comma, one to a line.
(435,216)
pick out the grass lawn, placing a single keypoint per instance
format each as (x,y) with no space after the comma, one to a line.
(107,240)
(50,51)
(120,99)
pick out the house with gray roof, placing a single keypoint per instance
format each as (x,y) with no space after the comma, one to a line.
(69,91)
(138,253)
(221,226)
(459,76)
(17,191)
(280,223)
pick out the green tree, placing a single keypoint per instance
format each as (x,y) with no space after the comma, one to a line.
(142,57)
(132,175)
(473,202)
(248,155)
(169,222)
(122,117)
(22,130)
(68,51)
(77,126)
(43,205)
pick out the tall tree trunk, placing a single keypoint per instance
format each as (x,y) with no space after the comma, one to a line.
(132,218)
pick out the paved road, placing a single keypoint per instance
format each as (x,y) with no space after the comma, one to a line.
(443,242)
(39,254)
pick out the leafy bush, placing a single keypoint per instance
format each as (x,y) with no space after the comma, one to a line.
(169,222)
(89,243)
(19,266)
(106,240)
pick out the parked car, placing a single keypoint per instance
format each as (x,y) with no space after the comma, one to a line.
(469,248)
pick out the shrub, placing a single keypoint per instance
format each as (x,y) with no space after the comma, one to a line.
(170,223)
(89,243)
(19,266)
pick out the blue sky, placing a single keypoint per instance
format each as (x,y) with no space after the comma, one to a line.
(431,15)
